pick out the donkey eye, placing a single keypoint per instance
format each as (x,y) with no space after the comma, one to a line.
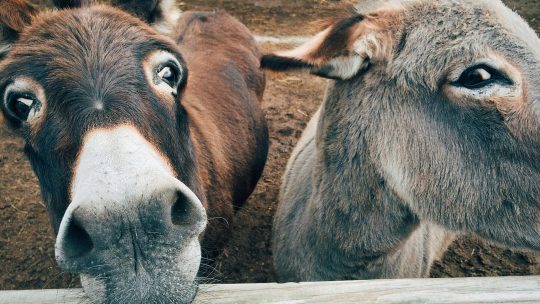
(22,106)
(480,76)
(170,74)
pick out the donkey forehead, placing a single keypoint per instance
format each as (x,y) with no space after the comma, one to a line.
(89,59)
(82,44)
(473,18)
(447,23)
(439,36)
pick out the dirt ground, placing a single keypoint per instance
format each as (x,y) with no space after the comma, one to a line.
(26,239)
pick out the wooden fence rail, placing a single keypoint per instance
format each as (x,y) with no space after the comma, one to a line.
(461,290)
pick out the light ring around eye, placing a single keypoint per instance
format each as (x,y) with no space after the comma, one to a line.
(153,66)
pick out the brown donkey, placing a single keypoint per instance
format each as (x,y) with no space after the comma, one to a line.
(431,128)
(137,137)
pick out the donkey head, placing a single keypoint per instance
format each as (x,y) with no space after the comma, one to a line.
(97,96)
(442,99)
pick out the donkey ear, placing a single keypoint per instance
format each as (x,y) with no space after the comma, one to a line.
(163,15)
(343,49)
(15,15)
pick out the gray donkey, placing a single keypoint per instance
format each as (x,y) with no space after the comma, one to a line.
(430,128)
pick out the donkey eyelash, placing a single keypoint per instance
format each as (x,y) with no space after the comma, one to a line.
(174,69)
(495,76)
(168,64)
(28,99)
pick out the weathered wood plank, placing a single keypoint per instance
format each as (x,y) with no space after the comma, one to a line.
(443,291)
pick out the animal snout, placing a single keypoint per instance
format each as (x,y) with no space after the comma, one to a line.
(96,233)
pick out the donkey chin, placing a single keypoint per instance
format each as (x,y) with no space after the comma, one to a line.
(128,273)
(159,281)
(160,271)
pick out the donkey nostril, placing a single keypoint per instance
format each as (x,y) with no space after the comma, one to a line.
(181,210)
(77,242)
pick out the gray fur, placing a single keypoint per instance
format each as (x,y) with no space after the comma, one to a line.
(392,167)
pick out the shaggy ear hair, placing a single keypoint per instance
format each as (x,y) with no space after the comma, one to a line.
(15,15)
(71,3)
(163,15)
(343,49)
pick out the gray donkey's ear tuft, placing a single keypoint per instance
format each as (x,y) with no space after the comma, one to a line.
(163,15)
(15,15)
(344,49)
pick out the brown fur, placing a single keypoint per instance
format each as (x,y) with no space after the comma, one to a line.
(212,132)
(16,14)
(204,40)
